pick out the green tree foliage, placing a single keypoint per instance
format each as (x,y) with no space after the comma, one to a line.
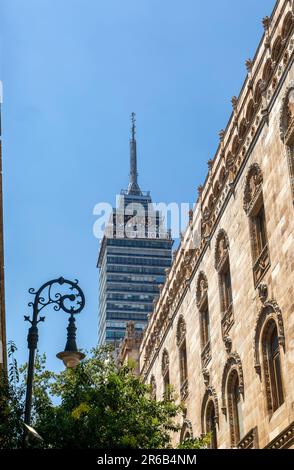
(196,443)
(96,405)
(11,400)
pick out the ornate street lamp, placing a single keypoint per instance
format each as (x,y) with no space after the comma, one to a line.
(71,303)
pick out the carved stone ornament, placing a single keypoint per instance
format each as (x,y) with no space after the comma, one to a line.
(221,135)
(230,166)
(263,293)
(253,187)
(200,190)
(230,162)
(202,289)
(191,213)
(187,266)
(249,65)
(234,102)
(130,329)
(165,362)
(153,387)
(181,330)
(206,376)
(228,344)
(266,22)
(221,249)
(206,223)
(262,86)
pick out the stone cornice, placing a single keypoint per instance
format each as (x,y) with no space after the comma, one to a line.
(250,112)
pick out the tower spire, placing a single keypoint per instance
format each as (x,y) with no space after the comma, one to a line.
(133,183)
(133,120)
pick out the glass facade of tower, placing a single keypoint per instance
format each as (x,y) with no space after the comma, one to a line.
(132,262)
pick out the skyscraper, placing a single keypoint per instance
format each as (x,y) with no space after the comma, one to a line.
(135,252)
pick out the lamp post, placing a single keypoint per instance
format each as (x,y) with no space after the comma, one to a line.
(71,303)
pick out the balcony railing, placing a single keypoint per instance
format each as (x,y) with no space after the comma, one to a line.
(284,440)
(250,441)
(184,389)
(261,265)
(206,355)
(228,320)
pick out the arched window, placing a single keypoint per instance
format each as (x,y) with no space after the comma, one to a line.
(270,341)
(235,408)
(235,145)
(287,25)
(153,387)
(222,265)
(181,342)
(254,208)
(210,415)
(267,71)
(205,327)
(257,93)
(274,363)
(232,397)
(186,431)
(250,112)
(222,177)
(277,49)
(202,304)
(211,424)
(287,130)
(211,202)
(216,190)
(243,130)
(165,374)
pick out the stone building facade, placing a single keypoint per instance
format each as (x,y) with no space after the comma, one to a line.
(130,347)
(222,330)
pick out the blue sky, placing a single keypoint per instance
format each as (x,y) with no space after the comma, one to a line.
(72,72)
